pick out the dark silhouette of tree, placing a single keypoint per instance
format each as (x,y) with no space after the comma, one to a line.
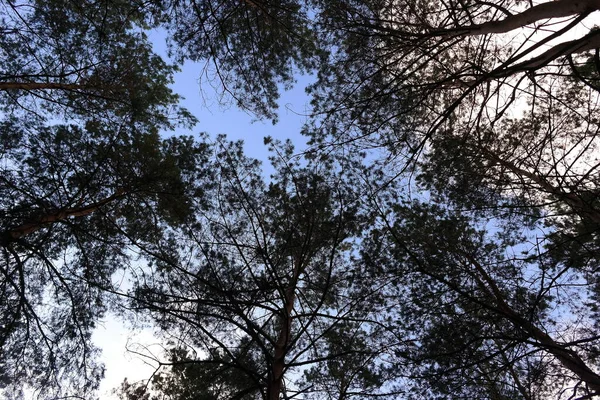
(85,180)
(501,94)
(76,203)
(263,289)
(79,61)
(251,48)
(490,313)
(485,288)
(492,107)
(74,61)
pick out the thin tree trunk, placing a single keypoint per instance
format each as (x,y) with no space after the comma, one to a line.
(588,42)
(39,86)
(568,358)
(283,340)
(27,228)
(278,367)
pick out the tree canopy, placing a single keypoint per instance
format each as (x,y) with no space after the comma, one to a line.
(438,239)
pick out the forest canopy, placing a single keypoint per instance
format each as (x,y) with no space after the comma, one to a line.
(439,238)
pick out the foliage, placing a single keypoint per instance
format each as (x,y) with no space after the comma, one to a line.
(477,290)
(76,202)
(499,129)
(251,48)
(489,314)
(263,289)
(440,239)
(84,61)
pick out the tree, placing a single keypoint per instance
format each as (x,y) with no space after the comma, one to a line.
(86,180)
(436,85)
(489,315)
(497,83)
(69,60)
(251,48)
(491,106)
(85,177)
(263,288)
(258,283)
(76,203)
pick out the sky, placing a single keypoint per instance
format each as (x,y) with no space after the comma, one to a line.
(202,100)
(113,335)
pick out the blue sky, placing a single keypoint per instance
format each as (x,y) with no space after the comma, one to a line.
(202,100)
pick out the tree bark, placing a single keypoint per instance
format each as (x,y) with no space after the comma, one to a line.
(283,340)
(548,10)
(27,228)
(39,86)
(280,352)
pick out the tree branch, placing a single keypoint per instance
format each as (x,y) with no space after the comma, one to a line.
(548,10)
(40,86)
(27,228)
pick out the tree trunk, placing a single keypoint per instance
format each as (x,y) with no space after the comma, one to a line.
(283,340)
(568,358)
(281,348)
(39,86)
(588,42)
(27,228)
